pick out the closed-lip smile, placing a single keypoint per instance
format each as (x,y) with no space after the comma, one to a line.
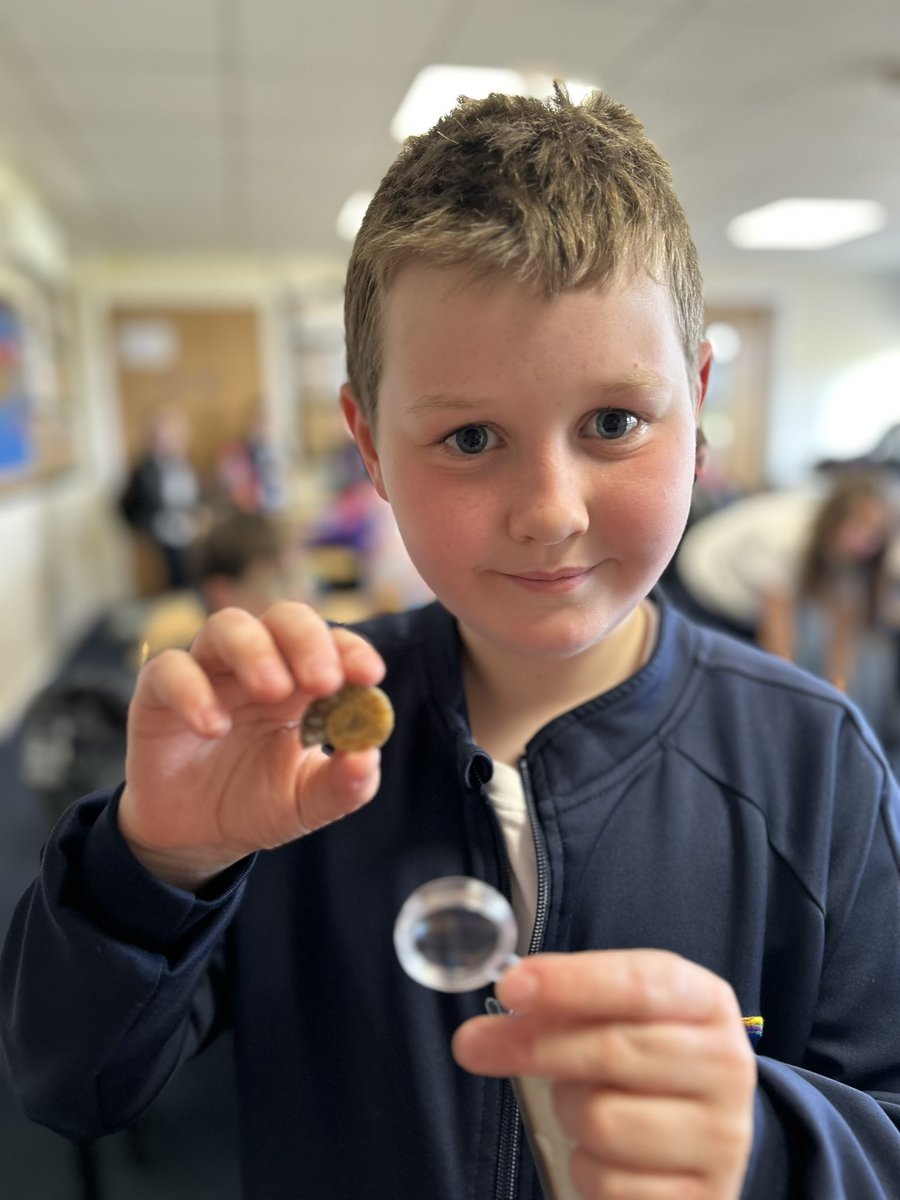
(553,583)
(551,576)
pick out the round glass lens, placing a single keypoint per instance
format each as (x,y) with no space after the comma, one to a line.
(455,934)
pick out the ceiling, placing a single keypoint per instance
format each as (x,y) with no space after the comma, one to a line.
(241,126)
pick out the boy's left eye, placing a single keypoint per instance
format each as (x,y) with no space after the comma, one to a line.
(614,423)
(471,439)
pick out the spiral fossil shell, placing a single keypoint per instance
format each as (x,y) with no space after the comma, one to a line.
(354,718)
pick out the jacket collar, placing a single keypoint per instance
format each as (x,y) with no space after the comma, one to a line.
(597,737)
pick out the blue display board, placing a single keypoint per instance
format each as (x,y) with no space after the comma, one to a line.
(16,415)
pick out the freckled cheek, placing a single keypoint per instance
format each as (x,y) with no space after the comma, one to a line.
(439,526)
(647,517)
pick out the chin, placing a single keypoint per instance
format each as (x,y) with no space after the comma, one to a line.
(552,638)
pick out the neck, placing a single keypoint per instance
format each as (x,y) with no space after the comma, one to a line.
(510,699)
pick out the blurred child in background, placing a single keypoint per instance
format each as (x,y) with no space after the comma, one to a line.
(162,498)
(831,620)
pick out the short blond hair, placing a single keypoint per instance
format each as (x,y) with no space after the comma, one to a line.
(556,193)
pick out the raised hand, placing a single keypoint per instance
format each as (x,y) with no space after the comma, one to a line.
(654,1077)
(215,769)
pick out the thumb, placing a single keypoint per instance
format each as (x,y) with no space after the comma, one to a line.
(333,786)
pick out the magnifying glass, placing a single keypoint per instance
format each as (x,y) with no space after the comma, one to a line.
(455,934)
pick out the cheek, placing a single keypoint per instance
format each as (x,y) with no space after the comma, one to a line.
(650,526)
(652,512)
(439,524)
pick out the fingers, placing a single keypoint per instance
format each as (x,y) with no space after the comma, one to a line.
(289,646)
(332,787)
(667,1058)
(654,1077)
(644,1021)
(320,658)
(592,1178)
(289,650)
(610,985)
(644,1133)
(175,682)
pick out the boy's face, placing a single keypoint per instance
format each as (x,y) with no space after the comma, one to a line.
(538,455)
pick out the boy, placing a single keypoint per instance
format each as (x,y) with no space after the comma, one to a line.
(690,832)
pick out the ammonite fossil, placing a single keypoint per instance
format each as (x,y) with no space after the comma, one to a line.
(354,718)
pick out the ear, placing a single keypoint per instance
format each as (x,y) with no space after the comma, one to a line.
(704,366)
(361,430)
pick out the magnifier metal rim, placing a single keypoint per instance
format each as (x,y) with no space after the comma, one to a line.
(455,891)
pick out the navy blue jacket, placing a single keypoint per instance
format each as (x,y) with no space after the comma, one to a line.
(719,804)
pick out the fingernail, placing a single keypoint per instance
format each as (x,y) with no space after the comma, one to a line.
(272,673)
(359,782)
(215,721)
(519,989)
(322,672)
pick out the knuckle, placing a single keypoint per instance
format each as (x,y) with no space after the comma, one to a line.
(613,1049)
(729,1136)
(229,615)
(740,1058)
(353,643)
(292,609)
(601,1124)
(165,659)
(162,666)
(645,981)
(733,1053)
(723,996)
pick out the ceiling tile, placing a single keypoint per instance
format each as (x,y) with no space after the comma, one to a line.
(342,31)
(55,28)
(246,123)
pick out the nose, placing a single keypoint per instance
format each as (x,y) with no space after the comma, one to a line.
(547,501)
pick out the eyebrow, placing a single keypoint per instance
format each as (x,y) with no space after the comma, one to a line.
(639,379)
(441,400)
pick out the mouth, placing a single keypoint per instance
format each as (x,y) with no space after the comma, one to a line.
(552,576)
(565,579)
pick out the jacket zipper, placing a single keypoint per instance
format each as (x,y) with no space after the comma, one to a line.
(510,1124)
(543,863)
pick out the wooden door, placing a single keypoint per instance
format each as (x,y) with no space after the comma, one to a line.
(204,362)
(735,416)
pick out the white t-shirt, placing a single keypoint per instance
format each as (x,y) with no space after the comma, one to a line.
(507,797)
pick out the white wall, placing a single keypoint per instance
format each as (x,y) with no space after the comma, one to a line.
(828,330)
(60,567)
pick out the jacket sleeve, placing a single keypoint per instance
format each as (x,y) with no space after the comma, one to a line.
(108,978)
(830,1126)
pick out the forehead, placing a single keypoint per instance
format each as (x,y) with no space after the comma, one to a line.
(448,320)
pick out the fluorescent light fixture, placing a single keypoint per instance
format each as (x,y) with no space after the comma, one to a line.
(578,90)
(538,83)
(797,224)
(350,217)
(435,90)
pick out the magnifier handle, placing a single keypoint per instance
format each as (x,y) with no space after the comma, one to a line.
(546,1140)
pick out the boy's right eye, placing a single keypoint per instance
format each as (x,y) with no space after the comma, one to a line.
(470,439)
